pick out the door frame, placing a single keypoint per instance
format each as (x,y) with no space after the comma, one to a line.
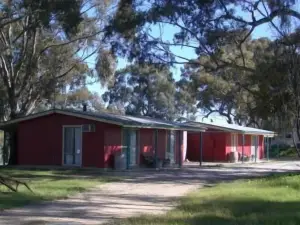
(133,130)
(125,132)
(63,144)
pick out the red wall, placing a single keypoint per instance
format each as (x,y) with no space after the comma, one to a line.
(247,146)
(40,141)
(112,144)
(214,146)
(193,143)
(261,147)
(147,143)
(162,144)
(217,146)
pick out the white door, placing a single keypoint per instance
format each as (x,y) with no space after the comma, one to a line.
(234,142)
(72,146)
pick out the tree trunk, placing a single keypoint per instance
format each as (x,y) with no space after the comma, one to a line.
(12,147)
(298,135)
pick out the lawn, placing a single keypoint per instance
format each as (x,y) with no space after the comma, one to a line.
(283,152)
(290,152)
(274,200)
(46,185)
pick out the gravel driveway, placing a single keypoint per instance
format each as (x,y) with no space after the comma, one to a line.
(140,192)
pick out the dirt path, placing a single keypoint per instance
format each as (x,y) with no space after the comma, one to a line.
(141,192)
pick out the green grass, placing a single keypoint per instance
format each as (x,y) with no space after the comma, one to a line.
(290,152)
(283,153)
(1,138)
(46,185)
(268,201)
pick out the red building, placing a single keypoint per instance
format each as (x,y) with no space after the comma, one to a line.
(85,139)
(219,140)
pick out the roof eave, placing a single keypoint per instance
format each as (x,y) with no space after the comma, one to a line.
(265,134)
(260,133)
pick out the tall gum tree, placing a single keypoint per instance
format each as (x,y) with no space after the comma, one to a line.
(44,45)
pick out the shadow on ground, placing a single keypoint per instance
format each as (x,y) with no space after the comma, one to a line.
(151,191)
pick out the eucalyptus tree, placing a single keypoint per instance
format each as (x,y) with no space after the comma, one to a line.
(44,47)
(145,90)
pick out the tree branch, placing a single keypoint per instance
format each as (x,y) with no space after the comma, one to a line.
(71,41)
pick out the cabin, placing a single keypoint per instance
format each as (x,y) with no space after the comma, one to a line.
(70,138)
(219,141)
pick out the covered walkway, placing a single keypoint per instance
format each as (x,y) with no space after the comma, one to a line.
(219,140)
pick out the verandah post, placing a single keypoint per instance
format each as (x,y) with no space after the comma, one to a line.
(180,149)
(155,148)
(128,148)
(243,147)
(268,156)
(201,148)
(256,147)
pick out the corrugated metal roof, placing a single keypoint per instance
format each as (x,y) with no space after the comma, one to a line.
(140,121)
(122,120)
(233,128)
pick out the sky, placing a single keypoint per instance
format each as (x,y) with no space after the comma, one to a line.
(264,30)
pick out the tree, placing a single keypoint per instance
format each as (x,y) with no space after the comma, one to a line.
(213,29)
(75,99)
(282,81)
(144,90)
(44,47)
(229,91)
(185,99)
(202,25)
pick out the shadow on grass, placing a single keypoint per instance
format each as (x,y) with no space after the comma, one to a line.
(14,199)
(46,185)
(225,212)
(244,212)
(33,174)
(290,180)
(236,204)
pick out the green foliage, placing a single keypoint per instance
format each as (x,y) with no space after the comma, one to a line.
(44,48)
(74,99)
(289,152)
(283,151)
(144,90)
(185,99)
(265,201)
(203,26)
(106,66)
(67,12)
(233,75)
(45,45)
(232,91)
(1,138)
